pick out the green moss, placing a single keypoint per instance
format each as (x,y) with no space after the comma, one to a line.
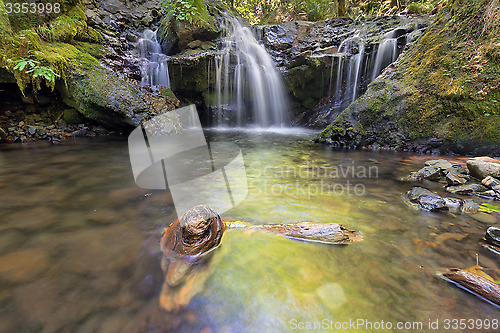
(37,45)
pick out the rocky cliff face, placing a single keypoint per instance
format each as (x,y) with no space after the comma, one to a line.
(442,95)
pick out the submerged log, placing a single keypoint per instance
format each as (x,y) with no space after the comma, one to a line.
(188,243)
(327,233)
(473,283)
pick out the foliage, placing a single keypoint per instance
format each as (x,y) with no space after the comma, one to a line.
(37,72)
(29,54)
(191,11)
(276,11)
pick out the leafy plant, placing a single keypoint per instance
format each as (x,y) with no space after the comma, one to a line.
(36,72)
(192,11)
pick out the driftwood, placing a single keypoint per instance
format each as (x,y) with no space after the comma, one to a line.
(188,244)
(474,283)
(326,233)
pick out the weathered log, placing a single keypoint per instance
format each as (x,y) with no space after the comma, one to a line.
(473,283)
(327,233)
(187,245)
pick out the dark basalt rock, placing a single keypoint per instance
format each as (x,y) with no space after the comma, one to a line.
(467,189)
(424,199)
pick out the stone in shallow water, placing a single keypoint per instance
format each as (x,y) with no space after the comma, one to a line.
(455,178)
(111,248)
(430,173)
(23,265)
(469,206)
(440,164)
(331,295)
(467,189)
(453,204)
(31,219)
(485,218)
(10,240)
(481,169)
(424,199)
(55,303)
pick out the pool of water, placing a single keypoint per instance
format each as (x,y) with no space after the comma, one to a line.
(79,243)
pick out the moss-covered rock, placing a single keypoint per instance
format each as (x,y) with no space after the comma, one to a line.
(96,92)
(445,88)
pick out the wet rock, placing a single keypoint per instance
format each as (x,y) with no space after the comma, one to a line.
(493,236)
(481,169)
(492,183)
(469,206)
(453,205)
(430,173)
(412,177)
(467,189)
(424,199)
(440,164)
(455,178)
(23,265)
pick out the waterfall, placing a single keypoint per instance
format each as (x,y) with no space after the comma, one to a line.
(248,87)
(355,67)
(154,66)
(387,53)
(350,64)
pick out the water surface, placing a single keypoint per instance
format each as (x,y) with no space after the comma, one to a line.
(79,245)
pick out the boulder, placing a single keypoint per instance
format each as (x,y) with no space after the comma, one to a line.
(480,169)
(467,189)
(440,164)
(422,198)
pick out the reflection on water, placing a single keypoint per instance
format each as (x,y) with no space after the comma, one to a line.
(79,245)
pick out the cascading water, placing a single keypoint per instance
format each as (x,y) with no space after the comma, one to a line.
(154,67)
(248,88)
(387,52)
(353,68)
